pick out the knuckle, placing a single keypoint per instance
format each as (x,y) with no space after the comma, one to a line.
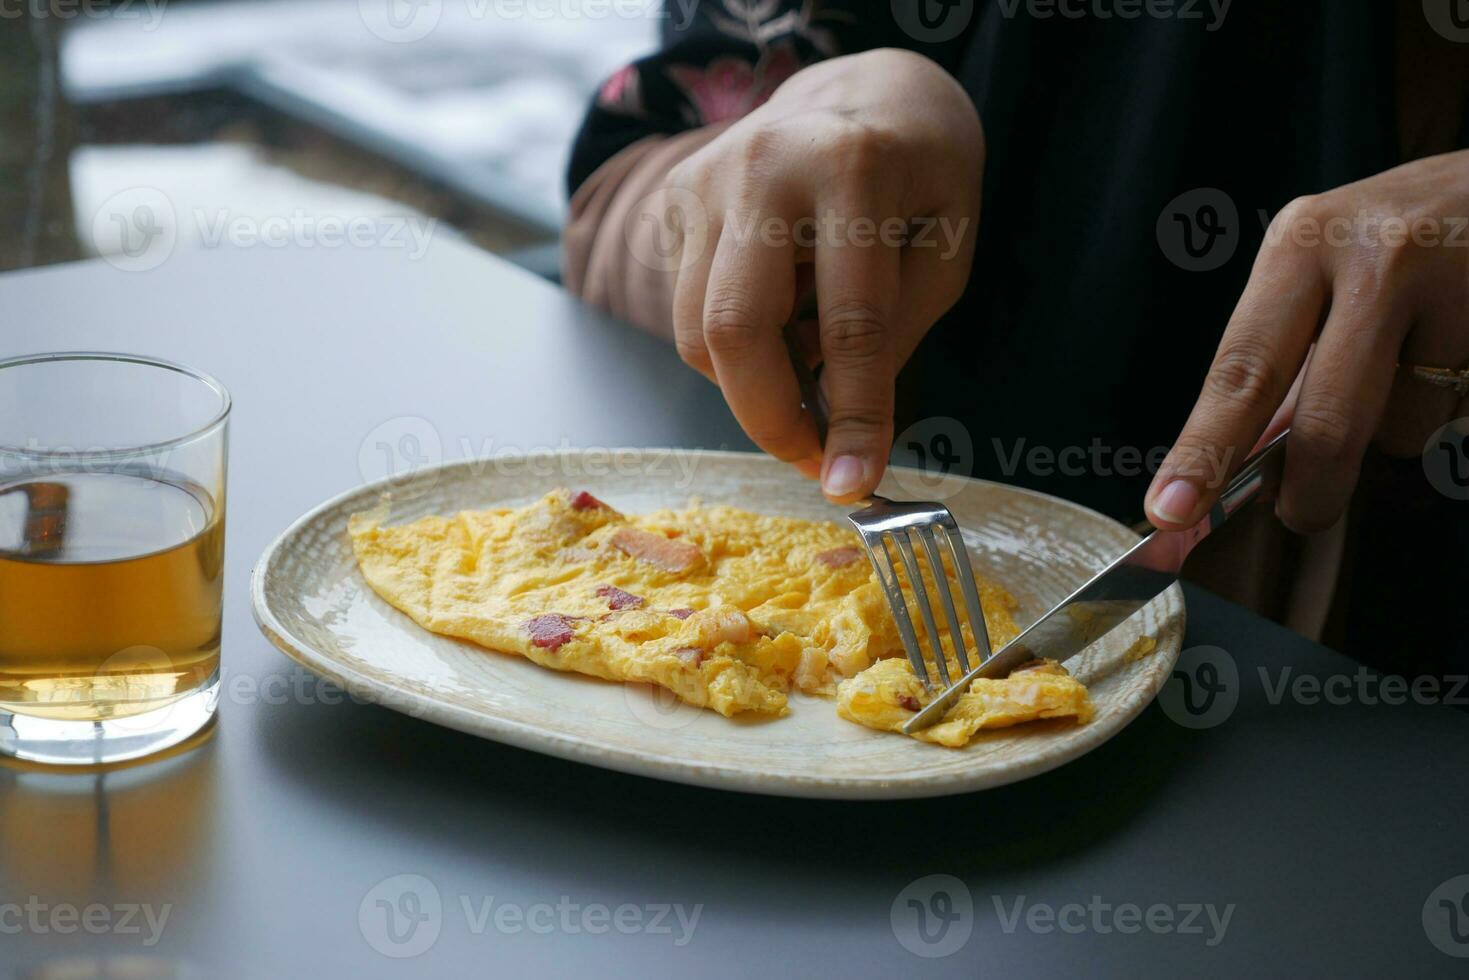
(729,325)
(862,152)
(1325,429)
(692,352)
(776,439)
(758,146)
(1304,518)
(1197,457)
(865,422)
(853,329)
(1299,216)
(1244,372)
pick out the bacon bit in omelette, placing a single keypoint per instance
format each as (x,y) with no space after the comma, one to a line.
(910,702)
(581,500)
(549,630)
(723,624)
(656,550)
(839,557)
(680,613)
(618,599)
(693,656)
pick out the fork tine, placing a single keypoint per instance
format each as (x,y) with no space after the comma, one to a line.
(887,577)
(960,554)
(920,594)
(941,579)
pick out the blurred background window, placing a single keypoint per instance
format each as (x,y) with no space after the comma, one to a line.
(232,114)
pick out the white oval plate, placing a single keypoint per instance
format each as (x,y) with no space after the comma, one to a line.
(311,602)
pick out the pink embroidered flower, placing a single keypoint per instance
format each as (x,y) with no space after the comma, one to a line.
(729,87)
(620,92)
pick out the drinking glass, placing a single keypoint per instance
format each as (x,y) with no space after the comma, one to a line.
(112,502)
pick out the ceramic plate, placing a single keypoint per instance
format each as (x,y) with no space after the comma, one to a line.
(311,602)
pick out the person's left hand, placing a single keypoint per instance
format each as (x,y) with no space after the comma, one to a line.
(1347,285)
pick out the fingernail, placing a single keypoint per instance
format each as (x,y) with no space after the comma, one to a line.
(1175,505)
(843,476)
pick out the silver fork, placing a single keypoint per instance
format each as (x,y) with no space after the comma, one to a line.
(885,522)
(885,519)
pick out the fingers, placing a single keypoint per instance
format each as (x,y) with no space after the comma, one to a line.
(749,298)
(1342,399)
(856,289)
(1261,352)
(688,309)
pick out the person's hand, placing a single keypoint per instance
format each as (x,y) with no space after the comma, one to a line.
(860,176)
(1347,285)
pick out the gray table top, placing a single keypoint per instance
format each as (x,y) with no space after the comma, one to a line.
(1296,833)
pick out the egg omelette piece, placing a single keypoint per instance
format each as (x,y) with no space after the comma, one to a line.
(727,609)
(887,694)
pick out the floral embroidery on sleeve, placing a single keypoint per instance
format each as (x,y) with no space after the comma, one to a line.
(729,87)
(622,92)
(724,60)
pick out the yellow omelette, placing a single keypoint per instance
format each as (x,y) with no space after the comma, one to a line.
(727,609)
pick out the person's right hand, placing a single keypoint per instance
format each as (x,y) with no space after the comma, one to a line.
(861,175)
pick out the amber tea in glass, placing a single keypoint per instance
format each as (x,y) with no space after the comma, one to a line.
(112,476)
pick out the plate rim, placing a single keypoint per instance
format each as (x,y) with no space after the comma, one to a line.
(484,724)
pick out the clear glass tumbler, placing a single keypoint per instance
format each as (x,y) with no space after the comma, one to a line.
(112,502)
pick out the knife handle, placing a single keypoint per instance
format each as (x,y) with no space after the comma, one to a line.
(1259,478)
